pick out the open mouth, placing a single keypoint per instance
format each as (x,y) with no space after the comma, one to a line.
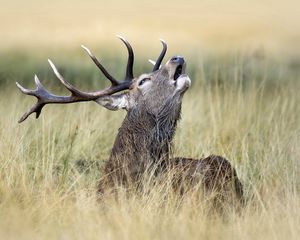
(178,72)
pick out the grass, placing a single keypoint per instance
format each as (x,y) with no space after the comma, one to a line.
(241,106)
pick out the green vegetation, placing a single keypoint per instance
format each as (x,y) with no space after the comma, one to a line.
(244,107)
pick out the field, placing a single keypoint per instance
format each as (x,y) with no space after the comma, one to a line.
(243,105)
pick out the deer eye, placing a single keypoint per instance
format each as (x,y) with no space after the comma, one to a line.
(143,81)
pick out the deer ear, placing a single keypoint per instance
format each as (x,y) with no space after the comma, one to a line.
(114,102)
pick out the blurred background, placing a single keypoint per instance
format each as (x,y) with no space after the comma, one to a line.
(33,30)
(198,25)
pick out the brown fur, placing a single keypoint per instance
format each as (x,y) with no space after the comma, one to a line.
(144,144)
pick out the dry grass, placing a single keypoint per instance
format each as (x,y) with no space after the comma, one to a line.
(247,111)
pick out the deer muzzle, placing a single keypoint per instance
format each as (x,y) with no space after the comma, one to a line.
(180,68)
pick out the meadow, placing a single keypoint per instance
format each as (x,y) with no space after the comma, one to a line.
(241,106)
(243,60)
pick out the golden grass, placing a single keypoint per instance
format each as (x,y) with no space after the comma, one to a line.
(50,167)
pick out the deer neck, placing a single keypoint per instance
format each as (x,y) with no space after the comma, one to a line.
(145,137)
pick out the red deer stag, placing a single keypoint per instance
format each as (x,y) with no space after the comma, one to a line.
(144,141)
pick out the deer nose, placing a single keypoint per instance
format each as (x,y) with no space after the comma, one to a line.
(177,60)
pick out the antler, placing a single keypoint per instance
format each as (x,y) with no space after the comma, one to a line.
(45,97)
(161,56)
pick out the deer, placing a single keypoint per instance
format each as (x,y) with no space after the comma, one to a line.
(144,141)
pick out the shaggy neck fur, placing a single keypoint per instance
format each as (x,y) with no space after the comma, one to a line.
(145,138)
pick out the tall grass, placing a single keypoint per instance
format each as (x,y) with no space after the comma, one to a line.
(242,107)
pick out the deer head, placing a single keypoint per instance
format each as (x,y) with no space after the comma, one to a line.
(150,92)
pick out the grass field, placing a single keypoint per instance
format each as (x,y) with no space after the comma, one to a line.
(243,60)
(242,107)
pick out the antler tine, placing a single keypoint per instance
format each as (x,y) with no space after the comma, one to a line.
(25,90)
(68,85)
(38,93)
(152,62)
(161,56)
(37,108)
(59,76)
(129,69)
(113,81)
